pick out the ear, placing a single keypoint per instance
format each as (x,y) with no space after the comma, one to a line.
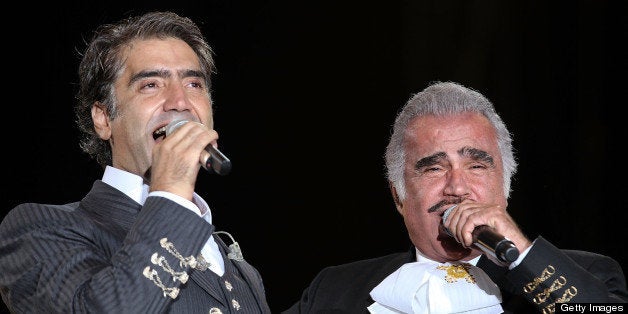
(101,121)
(395,196)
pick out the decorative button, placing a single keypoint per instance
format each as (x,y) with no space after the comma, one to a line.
(235,304)
(215,310)
(228,285)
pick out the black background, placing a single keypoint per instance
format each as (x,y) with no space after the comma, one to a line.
(305,95)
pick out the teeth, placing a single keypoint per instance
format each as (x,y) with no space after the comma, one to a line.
(159,132)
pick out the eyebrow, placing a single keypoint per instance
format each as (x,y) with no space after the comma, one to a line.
(477,155)
(430,160)
(473,153)
(165,74)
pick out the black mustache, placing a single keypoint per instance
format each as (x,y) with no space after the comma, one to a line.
(442,203)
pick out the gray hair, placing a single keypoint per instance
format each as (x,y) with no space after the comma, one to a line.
(103,62)
(445,98)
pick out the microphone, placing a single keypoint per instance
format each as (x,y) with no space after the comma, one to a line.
(235,253)
(215,162)
(489,241)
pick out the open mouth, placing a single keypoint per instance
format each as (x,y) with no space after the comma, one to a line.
(159,133)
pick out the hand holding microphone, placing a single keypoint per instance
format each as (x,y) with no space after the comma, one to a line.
(490,241)
(215,160)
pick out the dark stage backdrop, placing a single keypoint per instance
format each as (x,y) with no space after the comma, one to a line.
(305,95)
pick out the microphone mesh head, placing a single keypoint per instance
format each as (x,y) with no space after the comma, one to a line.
(172,126)
(445,215)
(448,211)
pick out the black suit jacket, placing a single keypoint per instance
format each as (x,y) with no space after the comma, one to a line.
(91,257)
(586,277)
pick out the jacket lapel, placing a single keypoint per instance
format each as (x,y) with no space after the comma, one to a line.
(247,271)
(114,209)
(204,280)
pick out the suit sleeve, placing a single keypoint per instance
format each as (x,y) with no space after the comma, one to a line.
(548,275)
(55,261)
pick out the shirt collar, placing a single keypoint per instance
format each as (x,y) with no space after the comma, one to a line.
(134,187)
(128,183)
(424,259)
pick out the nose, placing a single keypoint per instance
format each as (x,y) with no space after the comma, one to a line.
(456,184)
(176,98)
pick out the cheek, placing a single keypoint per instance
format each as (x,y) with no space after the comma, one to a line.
(419,223)
(413,216)
(127,135)
(487,188)
(415,206)
(425,189)
(420,196)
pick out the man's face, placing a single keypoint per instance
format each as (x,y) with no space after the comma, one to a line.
(161,81)
(448,159)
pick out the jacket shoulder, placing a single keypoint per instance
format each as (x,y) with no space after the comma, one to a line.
(29,213)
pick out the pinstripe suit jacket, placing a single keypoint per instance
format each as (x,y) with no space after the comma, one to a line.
(576,275)
(91,256)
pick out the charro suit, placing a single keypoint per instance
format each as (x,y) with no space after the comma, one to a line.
(545,276)
(108,254)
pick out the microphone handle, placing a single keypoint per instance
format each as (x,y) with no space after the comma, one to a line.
(494,244)
(217,161)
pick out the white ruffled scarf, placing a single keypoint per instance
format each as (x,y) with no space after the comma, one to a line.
(427,286)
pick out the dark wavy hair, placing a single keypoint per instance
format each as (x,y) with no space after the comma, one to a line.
(102,63)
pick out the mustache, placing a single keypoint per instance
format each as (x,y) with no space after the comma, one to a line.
(442,203)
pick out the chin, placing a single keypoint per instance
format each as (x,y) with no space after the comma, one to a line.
(453,249)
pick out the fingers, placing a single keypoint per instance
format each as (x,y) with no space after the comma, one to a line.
(176,160)
(465,217)
(460,224)
(192,136)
